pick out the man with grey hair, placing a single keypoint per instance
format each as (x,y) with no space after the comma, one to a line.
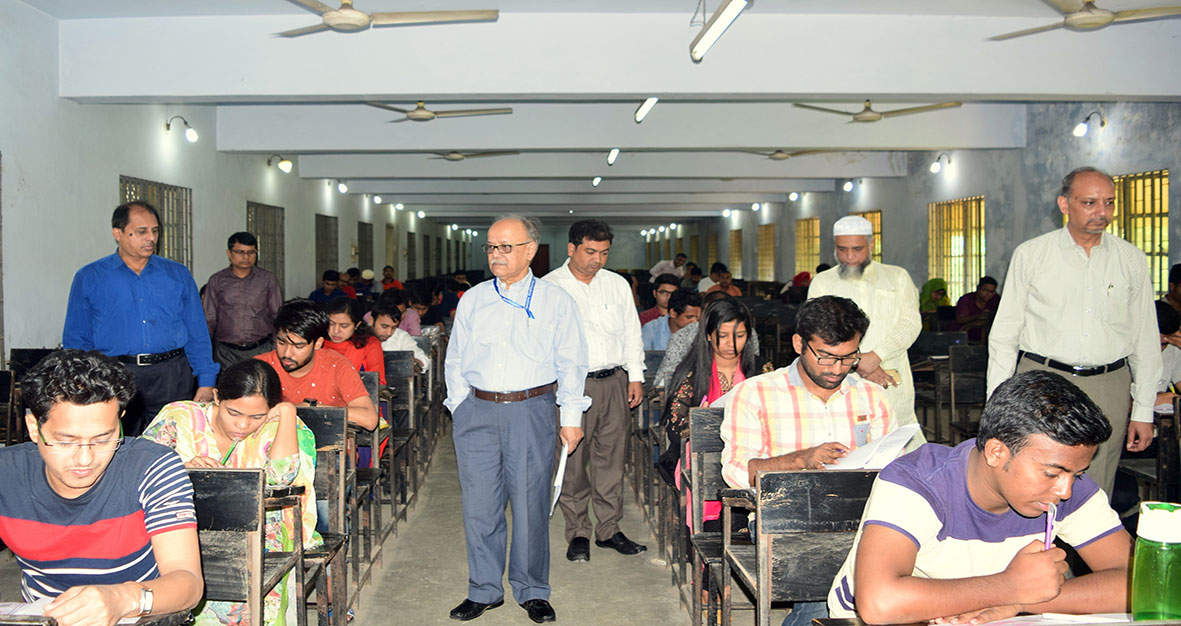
(1079,301)
(516,350)
(890,300)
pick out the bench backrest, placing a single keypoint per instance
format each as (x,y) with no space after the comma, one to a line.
(399,364)
(966,359)
(930,344)
(812,500)
(329,424)
(229,505)
(705,446)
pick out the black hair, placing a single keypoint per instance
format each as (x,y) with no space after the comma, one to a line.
(122,215)
(387,309)
(590,230)
(1068,180)
(304,318)
(680,255)
(1041,403)
(243,238)
(330,275)
(250,377)
(421,294)
(393,298)
(831,318)
(452,285)
(682,299)
(361,331)
(700,359)
(666,279)
(388,267)
(822,267)
(695,271)
(76,377)
(1175,274)
(354,272)
(986,280)
(1167,319)
(718,267)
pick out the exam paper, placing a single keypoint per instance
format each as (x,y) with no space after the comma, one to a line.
(559,476)
(878,453)
(1046,619)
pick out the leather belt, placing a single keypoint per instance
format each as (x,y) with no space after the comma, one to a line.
(246,346)
(603,373)
(150,359)
(513,396)
(1074,370)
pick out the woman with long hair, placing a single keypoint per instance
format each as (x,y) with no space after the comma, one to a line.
(349,335)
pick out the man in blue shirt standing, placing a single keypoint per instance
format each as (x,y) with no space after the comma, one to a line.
(143,310)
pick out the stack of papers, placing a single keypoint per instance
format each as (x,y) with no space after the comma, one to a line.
(878,453)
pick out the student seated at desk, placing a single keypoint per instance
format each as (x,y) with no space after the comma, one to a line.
(104,524)
(386,321)
(959,535)
(249,426)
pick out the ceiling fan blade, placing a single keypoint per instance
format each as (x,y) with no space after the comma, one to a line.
(387,107)
(822,109)
(1028,31)
(313,5)
(922,109)
(432,17)
(480,155)
(471,112)
(399,120)
(1145,14)
(307,30)
(805,152)
(1066,6)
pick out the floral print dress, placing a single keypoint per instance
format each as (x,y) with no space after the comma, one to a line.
(187,427)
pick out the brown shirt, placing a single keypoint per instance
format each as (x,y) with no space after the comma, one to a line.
(241,310)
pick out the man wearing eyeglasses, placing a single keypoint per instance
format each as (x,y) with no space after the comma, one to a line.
(516,350)
(101,549)
(663,288)
(240,302)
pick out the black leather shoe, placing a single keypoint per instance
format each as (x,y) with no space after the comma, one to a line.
(621,544)
(469,609)
(539,610)
(579,549)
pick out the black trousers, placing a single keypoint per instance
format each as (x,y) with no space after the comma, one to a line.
(156,385)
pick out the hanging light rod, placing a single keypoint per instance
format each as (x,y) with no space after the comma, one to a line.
(722,18)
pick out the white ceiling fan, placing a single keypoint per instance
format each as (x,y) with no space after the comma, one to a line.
(780,155)
(867,114)
(1084,15)
(422,114)
(459,156)
(346,19)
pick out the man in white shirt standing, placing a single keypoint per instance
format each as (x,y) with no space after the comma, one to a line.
(673,267)
(1079,302)
(614,385)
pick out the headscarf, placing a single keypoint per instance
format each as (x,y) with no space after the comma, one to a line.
(930,287)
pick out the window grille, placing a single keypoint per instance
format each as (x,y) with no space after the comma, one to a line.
(875,218)
(364,246)
(327,252)
(766,242)
(411,256)
(265,222)
(955,238)
(807,244)
(175,206)
(736,253)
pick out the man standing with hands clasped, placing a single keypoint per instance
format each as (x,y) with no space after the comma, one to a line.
(516,350)
(615,385)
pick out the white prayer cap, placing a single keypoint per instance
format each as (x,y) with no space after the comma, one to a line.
(852,225)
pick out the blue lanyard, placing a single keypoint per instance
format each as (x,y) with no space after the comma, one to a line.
(528,298)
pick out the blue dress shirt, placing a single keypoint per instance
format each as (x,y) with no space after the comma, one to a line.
(118,312)
(494,346)
(656,333)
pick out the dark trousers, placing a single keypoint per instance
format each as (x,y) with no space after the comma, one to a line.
(505,453)
(156,385)
(227,355)
(594,473)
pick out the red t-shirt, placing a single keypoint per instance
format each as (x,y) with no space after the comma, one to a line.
(366,359)
(649,315)
(332,380)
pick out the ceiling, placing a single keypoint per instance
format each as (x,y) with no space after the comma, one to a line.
(574,71)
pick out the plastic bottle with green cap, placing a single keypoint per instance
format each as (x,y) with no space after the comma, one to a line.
(1156,566)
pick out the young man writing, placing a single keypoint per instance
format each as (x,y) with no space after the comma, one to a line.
(386,319)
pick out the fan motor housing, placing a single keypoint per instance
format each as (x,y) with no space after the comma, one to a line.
(346,19)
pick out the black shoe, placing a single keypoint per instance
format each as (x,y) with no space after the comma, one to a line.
(469,609)
(621,544)
(539,610)
(579,549)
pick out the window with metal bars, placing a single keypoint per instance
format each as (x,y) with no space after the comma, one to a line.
(955,240)
(439,255)
(391,248)
(426,255)
(807,244)
(327,252)
(680,245)
(175,206)
(711,249)
(736,253)
(265,222)
(668,253)
(766,242)
(695,249)
(411,255)
(875,218)
(364,246)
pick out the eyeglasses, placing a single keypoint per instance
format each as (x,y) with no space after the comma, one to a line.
(70,448)
(849,360)
(666,292)
(505,248)
(244,252)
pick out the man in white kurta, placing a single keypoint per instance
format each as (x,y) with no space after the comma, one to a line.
(888,296)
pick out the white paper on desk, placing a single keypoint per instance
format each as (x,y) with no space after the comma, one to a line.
(1057,618)
(559,477)
(878,453)
(1163,409)
(37,608)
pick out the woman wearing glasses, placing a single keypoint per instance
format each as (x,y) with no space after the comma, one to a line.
(248,426)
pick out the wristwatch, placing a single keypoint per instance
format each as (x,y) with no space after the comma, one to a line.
(145,601)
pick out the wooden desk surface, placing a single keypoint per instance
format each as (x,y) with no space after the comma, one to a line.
(832,621)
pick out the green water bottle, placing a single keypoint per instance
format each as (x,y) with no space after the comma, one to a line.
(1156,566)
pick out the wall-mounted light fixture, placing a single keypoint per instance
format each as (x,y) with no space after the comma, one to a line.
(455,227)
(661,229)
(726,212)
(398,206)
(793,196)
(421,214)
(755,206)
(673,226)
(848,186)
(612,155)
(376,199)
(1082,127)
(722,18)
(644,233)
(190,132)
(596,180)
(944,159)
(644,108)
(284,164)
(342,187)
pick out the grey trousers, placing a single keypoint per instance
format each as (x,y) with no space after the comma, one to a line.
(603,449)
(505,452)
(1113,393)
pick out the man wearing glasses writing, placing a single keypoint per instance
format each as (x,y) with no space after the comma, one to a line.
(102,525)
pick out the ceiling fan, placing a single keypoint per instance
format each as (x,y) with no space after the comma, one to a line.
(459,156)
(780,155)
(422,114)
(346,19)
(869,115)
(1084,15)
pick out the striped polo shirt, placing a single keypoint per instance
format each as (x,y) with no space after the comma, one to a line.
(104,535)
(924,495)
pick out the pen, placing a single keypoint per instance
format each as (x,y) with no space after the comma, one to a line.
(1050,515)
(235,444)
